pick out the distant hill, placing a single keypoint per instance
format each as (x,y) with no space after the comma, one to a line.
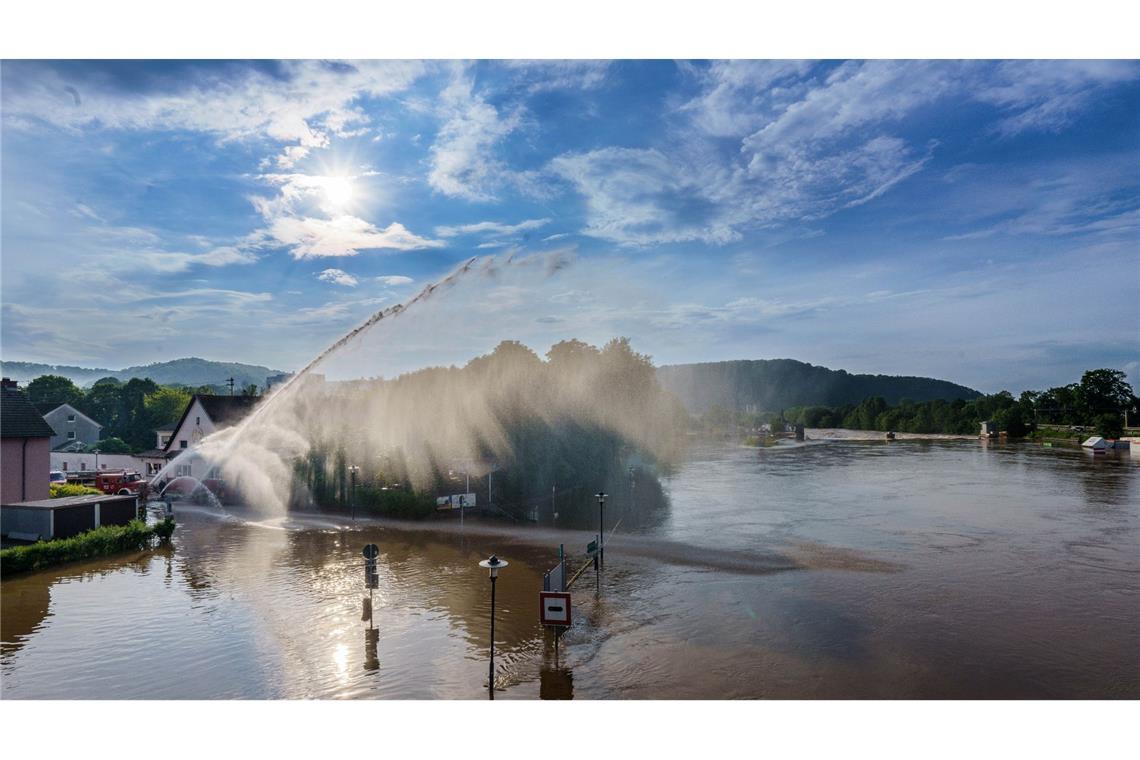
(191,371)
(773,385)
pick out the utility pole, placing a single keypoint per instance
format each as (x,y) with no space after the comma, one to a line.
(230,383)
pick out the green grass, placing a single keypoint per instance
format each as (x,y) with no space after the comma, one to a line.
(109,539)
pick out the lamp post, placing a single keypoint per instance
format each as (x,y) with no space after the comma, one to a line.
(492,564)
(352,470)
(601,528)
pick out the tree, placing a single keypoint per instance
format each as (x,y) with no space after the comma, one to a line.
(110,446)
(165,405)
(1109,425)
(1104,391)
(49,391)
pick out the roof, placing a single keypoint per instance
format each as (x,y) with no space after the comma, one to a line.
(19,417)
(72,410)
(69,501)
(223,411)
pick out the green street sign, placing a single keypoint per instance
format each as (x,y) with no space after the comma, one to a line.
(592,547)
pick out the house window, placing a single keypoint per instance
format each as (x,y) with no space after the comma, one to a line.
(71,435)
(197,420)
(182,444)
(183,469)
(71,418)
(65,466)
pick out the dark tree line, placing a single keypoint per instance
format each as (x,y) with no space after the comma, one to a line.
(1099,401)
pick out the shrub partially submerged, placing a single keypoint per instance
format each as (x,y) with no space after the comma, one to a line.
(109,539)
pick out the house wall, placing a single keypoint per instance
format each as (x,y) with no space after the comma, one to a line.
(195,426)
(24,470)
(86,431)
(79,462)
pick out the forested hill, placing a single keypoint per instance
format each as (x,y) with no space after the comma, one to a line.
(192,372)
(772,385)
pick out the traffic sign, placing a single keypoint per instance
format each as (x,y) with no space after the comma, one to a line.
(371,551)
(592,547)
(371,577)
(554,608)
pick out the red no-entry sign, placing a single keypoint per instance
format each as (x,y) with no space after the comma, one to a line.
(554,608)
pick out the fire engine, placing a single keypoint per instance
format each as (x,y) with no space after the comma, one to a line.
(121,482)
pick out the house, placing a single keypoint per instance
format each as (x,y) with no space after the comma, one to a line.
(153,460)
(205,414)
(25,447)
(74,430)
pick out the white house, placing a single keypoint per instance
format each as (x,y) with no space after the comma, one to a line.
(204,415)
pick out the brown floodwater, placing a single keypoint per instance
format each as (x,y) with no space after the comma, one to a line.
(836,569)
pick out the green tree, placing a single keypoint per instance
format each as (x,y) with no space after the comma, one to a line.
(1109,425)
(49,391)
(1104,391)
(110,446)
(165,405)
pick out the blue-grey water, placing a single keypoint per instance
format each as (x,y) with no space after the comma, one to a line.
(841,568)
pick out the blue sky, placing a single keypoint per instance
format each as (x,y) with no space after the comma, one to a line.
(977,221)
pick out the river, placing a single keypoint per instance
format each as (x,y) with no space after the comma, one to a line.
(842,568)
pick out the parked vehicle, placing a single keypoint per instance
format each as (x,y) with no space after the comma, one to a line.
(57,476)
(122,482)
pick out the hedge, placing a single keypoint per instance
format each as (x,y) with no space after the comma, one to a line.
(109,539)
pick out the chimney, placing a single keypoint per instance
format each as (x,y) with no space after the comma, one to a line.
(10,384)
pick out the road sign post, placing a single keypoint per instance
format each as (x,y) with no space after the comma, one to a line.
(554,608)
(371,578)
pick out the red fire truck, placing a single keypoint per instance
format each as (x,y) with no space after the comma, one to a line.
(121,482)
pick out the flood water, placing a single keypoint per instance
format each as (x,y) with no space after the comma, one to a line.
(841,568)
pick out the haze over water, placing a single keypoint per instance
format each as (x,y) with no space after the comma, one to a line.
(845,568)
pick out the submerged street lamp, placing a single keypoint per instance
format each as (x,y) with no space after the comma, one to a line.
(493,564)
(352,470)
(601,528)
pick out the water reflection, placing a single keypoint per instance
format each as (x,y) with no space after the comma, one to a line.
(942,569)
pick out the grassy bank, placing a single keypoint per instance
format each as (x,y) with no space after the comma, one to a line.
(110,539)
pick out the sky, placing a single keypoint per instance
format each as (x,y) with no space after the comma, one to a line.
(976,221)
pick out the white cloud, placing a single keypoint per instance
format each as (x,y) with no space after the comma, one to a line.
(301,103)
(643,196)
(547,75)
(492,229)
(344,235)
(338,277)
(1047,96)
(339,234)
(463,164)
(738,95)
(395,279)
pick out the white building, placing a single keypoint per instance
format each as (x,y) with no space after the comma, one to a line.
(204,415)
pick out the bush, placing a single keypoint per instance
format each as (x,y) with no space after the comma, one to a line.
(1109,425)
(60,490)
(110,539)
(394,502)
(164,530)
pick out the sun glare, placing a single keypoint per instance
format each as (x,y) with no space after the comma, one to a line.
(338,192)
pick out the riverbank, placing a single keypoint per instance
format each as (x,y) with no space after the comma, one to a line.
(104,541)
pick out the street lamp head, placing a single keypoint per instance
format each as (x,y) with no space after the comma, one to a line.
(601,495)
(494,564)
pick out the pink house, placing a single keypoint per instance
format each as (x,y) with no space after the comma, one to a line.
(25,456)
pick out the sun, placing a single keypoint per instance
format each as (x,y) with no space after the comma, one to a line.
(338,192)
